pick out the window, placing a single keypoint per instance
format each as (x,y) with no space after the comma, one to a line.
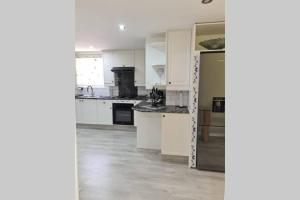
(89,71)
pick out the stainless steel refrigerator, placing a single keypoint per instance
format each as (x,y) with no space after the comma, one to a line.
(211,114)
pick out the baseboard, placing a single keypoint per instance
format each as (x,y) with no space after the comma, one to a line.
(107,127)
(175,158)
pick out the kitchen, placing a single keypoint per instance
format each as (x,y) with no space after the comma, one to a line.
(142,100)
(124,75)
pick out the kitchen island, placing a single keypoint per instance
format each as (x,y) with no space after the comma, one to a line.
(164,128)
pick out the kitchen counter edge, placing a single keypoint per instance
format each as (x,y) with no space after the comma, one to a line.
(166,109)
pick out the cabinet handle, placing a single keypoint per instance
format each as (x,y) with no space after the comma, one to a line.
(164,116)
(169,82)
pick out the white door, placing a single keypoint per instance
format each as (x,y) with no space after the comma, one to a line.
(139,64)
(79,111)
(123,58)
(175,134)
(178,59)
(104,112)
(90,111)
(107,66)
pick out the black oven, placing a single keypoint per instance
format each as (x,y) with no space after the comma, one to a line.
(123,113)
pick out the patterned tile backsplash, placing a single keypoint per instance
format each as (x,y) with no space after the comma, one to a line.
(173,97)
(112,91)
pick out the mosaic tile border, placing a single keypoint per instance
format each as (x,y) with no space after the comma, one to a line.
(194,107)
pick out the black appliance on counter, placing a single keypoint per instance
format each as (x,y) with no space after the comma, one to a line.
(124,79)
(123,114)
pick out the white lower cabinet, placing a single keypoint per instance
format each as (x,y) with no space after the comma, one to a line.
(104,112)
(148,130)
(80,110)
(175,134)
(85,111)
(90,112)
(93,111)
(168,132)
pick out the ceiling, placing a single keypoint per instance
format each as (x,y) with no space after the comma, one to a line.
(97,20)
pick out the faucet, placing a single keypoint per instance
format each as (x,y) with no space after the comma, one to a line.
(87,89)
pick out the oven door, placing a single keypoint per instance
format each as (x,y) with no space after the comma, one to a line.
(123,113)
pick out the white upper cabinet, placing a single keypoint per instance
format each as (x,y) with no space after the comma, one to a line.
(117,58)
(123,58)
(139,63)
(178,59)
(107,66)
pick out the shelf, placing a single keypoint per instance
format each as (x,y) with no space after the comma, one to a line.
(208,51)
(159,66)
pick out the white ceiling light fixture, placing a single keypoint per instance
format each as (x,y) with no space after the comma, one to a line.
(122,27)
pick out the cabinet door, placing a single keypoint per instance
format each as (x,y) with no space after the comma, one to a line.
(90,111)
(175,134)
(104,112)
(79,111)
(123,58)
(107,66)
(139,64)
(178,59)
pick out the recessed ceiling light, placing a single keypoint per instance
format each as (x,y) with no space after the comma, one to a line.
(206,1)
(122,27)
(91,47)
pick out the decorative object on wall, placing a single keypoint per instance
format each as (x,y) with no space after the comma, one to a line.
(194,108)
(213,44)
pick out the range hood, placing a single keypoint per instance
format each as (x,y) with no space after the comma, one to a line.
(120,69)
(124,79)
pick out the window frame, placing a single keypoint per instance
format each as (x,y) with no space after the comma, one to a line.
(89,54)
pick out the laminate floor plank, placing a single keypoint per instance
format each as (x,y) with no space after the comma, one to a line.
(112,168)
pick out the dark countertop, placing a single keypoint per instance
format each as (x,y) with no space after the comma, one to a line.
(146,107)
(111,98)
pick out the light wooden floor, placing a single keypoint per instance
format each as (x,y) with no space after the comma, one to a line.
(111,168)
